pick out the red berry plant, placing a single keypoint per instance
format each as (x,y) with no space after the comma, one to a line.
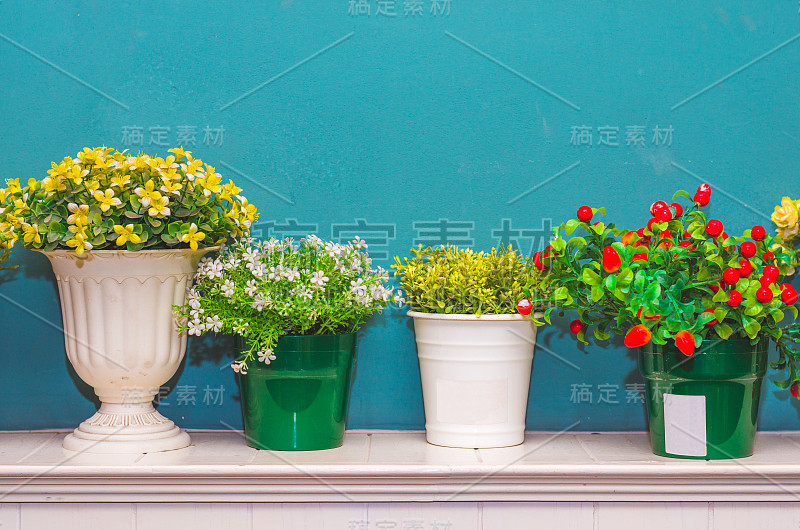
(680,279)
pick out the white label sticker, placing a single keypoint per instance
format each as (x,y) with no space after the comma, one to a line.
(472,402)
(685,425)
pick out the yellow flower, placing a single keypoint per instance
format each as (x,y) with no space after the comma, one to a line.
(191,167)
(169,163)
(171,187)
(785,215)
(92,186)
(4,193)
(13,185)
(211,183)
(137,163)
(59,170)
(158,207)
(80,214)
(120,181)
(126,234)
(148,193)
(249,212)
(193,237)
(54,184)
(180,153)
(229,190)
(31,234)
(79,243)
(106,200)
(20,207)
(76,174)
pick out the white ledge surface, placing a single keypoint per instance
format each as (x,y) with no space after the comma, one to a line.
(396,467)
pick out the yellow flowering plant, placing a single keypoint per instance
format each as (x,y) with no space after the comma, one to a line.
(786,217)
(107,199)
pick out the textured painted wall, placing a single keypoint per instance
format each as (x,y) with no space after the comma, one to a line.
(402,121)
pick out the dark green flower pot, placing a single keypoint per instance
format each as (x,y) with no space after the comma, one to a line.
(299,401)
(720,421)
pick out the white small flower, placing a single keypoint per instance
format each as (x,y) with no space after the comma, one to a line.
(276,273)
(214,269)
(318,279)
(250,255)
(292,274)
(398,299)
(228,288)
(196,328)
(214,324)
(266,357)
(239,367)
(250,288)
(359,243)
(259,303)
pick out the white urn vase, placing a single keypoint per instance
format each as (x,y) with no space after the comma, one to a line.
(122,339)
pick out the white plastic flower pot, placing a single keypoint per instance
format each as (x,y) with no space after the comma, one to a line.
(122,339)
(475,376)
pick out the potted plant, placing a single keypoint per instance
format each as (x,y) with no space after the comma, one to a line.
(701,307)
(295,309)
(124,235)
(475,351)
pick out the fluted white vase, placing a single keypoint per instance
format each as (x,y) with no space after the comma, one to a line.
(122,339)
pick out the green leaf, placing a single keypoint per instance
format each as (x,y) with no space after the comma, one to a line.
(680,193)
(624,278)
(751,326)
(723,330)
(611,282)
(597,293)
(590,277)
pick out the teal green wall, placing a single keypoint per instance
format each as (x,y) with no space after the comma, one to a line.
(328,117)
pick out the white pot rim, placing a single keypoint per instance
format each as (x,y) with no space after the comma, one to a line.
(116,252)
(472,317)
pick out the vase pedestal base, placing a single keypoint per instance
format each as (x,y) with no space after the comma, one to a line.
(126,428)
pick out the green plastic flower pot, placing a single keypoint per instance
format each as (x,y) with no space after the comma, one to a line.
(705,406)
(299,401)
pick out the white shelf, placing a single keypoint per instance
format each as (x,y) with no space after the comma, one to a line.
(382,467)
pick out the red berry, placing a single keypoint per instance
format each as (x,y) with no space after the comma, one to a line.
(714,227)
(656,206)
(745,268)
(714,287)
(611,260)
(711,322)
(766,281)
(663,215)
(524,307)
(794,389)
(639,257)
(575,326)
(684,341)
(730,276)
(771,271)
(735,299)
(748,249)
(639,335)
(537,261)
(650,223)
(764,295)
(758,233)
(786,286)
(768,256)
(677,209)
(703,195)
(789,296)
(585,214)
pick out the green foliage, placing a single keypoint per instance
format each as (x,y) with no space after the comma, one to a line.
(447,279)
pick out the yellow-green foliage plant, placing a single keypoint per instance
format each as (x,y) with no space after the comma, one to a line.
(451,280)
